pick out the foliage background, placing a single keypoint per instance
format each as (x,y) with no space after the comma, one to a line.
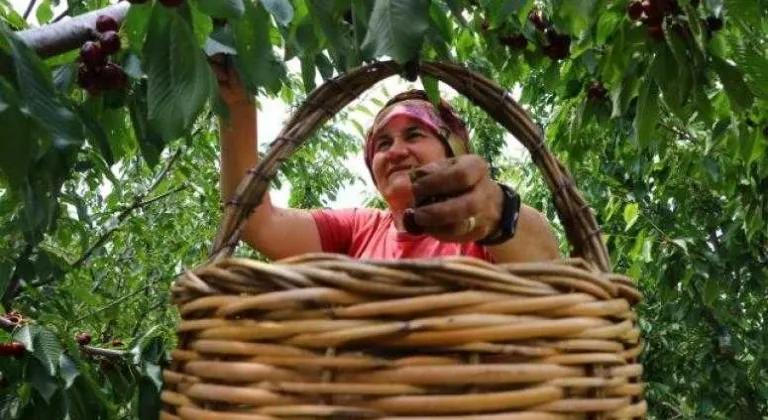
(103,200)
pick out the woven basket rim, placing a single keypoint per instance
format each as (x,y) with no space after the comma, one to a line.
(581,227)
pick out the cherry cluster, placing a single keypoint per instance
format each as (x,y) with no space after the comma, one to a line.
(96,73)
(653,12)
(558,45)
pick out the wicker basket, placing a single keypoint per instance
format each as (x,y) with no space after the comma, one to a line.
(326,336)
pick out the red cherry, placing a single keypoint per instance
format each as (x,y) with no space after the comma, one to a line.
(110,42)
(653,13)
(714,23)
(539,21)
(92,54)
(88,77)
(635,10)
(171,3)
(113,77)
(12,319)
(517,42)
(106,23)
(656,32)
(13,348)
(596,91)
(83,339)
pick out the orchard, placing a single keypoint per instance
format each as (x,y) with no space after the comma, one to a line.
(109,183)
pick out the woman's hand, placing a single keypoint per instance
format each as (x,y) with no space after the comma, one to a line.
(472,209)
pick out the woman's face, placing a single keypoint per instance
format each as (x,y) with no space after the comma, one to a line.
(403,143)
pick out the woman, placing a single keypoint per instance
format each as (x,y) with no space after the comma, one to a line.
(461,210)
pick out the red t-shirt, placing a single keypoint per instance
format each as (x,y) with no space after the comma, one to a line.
(371,234)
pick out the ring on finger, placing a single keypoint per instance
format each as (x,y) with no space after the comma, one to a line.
(472,222)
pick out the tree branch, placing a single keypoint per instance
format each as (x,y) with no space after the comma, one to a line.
(30,6)
(98,351)
(60,37)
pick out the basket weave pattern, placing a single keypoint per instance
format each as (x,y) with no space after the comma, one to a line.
(326,336)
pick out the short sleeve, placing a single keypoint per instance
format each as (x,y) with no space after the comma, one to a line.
(336,229)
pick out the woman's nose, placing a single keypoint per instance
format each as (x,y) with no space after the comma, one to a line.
(398,149)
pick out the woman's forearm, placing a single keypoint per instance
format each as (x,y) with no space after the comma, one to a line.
(239,147)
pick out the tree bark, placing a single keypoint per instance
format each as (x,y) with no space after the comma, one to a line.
(66,35)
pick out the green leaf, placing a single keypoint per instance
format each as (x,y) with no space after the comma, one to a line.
(397,29)
(711,291)
(733,82)
(280,9)
(226,9)
(746,11)
(38,95)
(456,9)
(256,60)
(606,24)
(308,72)
(439,21)
(26,336)
(17,147)
(68,369)
(575,17)
(149,399)
(180,80)
(631,213)
(431,86)
(47,349)
(647,112)
(151,143)
(755,66)
(135,25)
(41,379)
(500,10)
(44,12)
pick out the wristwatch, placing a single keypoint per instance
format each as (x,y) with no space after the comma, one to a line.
(509,214)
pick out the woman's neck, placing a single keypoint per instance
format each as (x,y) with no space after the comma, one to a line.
(397,220)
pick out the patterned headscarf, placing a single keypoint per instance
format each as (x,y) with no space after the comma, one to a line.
(443,120)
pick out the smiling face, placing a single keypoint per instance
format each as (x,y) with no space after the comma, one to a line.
(401,144)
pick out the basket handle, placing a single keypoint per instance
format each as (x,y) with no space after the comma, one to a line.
(324,102)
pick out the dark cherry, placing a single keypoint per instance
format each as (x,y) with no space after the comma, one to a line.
(110,42)
(91,54)
(106,23)
(635,10)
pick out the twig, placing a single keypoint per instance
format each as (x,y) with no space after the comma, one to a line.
(111,304)
(98,351)
(30,6)
(63,14)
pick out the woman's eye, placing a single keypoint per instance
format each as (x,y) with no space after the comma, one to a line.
(383,144)
(414,134)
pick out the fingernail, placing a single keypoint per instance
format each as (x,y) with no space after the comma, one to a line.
(409,222)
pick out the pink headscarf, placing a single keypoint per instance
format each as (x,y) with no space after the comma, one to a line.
(442,120)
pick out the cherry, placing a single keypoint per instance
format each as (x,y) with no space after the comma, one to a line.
(106,23)
(656,32)
(83,339)
(654,14)
(88,78)
(12,319)
(596,91)
(171,3)
(92,54)
(539,21)
(409,222)
(517,42)
(559,45)
(110,42)
(116,343)
(485,25)
(13,348)
(714,23)
(113,77)
(635,10)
